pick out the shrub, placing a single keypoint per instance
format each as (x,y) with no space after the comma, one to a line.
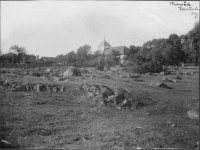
(146,67)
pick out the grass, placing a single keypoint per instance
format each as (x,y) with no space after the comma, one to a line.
(71,120)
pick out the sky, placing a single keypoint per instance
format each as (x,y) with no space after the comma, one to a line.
(51,28)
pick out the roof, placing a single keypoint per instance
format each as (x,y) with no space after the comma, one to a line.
(50,59)
(122,49)
(104,43)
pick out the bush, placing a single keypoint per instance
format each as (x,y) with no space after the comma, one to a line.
(146,67)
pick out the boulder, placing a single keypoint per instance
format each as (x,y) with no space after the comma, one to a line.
(192,114)
(72,71)
(47,70)
(106,95)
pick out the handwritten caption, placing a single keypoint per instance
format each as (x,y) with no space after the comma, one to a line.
(185,6)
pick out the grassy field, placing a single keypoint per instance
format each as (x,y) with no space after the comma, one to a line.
(71,119)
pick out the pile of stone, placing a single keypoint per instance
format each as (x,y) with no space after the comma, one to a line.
(107,96)
(20,86)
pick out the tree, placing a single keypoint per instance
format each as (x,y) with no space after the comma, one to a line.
(84,52)
(191,44)
(62,58)
(19,51)
(71,57)
(16,49)
(132,52)
(113,57)
(174,50)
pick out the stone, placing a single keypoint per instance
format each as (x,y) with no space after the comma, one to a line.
(192,114)
(61,89)
(30,73)
(123,76)
(72,71)
(54,89)
(48,88)
(173,125)
(47,70)
(38,87)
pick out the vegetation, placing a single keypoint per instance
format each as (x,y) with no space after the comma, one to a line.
(151,56)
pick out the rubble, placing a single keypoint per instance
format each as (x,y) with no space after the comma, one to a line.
(27,87)
(107,96)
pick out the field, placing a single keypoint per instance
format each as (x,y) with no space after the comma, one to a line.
(71,119)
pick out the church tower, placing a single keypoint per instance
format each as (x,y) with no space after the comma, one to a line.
(103,45)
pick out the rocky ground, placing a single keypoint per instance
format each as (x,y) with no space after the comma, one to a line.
(89,108)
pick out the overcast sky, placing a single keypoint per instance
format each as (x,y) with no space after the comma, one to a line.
(50,28)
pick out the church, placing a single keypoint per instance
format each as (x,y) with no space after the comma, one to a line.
(105,47)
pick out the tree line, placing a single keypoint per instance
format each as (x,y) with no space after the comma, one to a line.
(158,52)
(152,54)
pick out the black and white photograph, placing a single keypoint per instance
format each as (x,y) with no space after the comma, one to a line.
(99,74)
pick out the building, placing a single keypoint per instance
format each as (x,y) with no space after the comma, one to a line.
(106,48)
(122,49)
(48,60)
(31,59)
(103,46)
